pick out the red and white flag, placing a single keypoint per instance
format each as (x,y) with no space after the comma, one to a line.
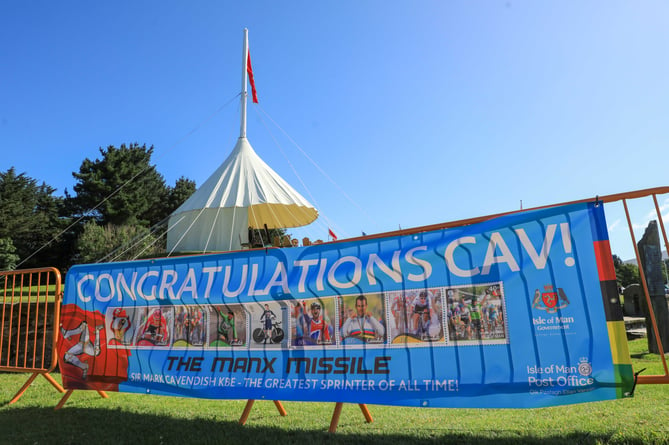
(249,70)
(332,234)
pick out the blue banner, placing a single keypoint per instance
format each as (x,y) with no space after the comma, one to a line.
(505,313)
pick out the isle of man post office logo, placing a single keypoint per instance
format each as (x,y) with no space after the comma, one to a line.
(550,299)
(584,367)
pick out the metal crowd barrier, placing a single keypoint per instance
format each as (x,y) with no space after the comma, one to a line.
(29,322)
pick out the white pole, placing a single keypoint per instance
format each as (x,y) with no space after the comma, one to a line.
(242,132)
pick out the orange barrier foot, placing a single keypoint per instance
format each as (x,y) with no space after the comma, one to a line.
(247,411)
(23,388)
(249,405)
(69,393)
(335,417)
(30,381)
(337,413)
(281,409)
(53,382)
(64,399)
(365,412)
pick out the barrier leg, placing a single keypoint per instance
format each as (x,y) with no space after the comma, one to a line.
(249,405)
(247,411)
(335,417)
(53,382)
(64,399)
(337,413)
(366,413)
(24,387)
(30,382)
(69,393)
(280,407)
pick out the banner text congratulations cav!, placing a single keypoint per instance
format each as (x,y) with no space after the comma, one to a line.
(339,272)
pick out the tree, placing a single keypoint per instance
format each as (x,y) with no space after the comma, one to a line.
(119,197)
(178,194)
(8,259)
(120,188)
(29,218)
(626,273)
(116,243)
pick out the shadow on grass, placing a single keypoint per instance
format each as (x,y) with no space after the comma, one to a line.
(104,426)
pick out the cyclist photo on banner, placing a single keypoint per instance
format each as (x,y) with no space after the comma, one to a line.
(189,326)
(417,314)
(196,323)
(476,313)
(362,319)
(267,324)
(181,325)
(154,326)
(122,326)
(312,323)
(227,325)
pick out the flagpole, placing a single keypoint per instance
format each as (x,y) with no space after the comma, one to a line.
(242,130)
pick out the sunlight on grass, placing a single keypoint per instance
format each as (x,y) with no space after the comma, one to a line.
(28,294)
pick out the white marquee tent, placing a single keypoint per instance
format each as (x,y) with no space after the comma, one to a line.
(244,192)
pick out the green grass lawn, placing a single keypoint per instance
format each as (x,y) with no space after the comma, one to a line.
(28,294)
(130,418)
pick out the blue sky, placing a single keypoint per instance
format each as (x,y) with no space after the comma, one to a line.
(411,113)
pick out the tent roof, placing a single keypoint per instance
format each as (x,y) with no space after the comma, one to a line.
(246,181)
